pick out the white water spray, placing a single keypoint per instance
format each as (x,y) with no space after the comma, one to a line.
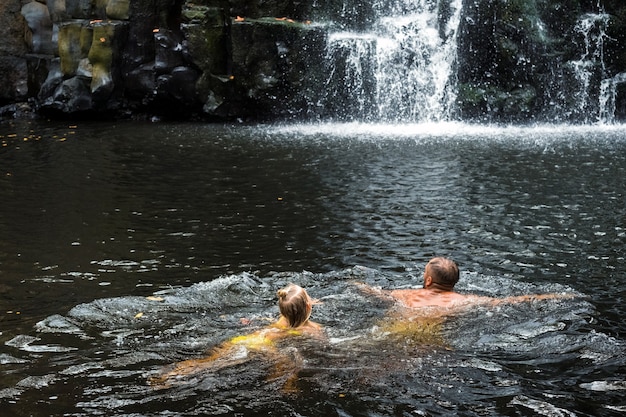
(608,97)
(411,55)
(589,68)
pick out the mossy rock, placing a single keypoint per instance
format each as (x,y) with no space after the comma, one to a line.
(208,47)
(70,51)
(118,9)
(487,101)
(107,37)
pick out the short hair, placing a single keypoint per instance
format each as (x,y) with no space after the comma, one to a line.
(444,271)
(294,304)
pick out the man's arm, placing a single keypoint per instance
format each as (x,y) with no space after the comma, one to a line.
(532,297)
(375,291)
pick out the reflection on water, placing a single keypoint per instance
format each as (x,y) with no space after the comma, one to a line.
(127,248)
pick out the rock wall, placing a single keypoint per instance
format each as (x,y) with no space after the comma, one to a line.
(519,60)
(13,50)
(170,58)
(522,60)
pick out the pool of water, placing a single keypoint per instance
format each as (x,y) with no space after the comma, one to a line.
(125,247)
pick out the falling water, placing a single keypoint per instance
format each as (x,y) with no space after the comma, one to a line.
(410,54)
(590,66)
(608,97)
(350,54)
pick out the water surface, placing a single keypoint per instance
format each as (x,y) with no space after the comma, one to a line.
(212,219)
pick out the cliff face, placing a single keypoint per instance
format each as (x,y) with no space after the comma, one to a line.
(265,59)
(13,50)
(540,59)
(163,57)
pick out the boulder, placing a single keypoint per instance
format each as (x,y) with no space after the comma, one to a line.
(108,38)
(14,85)
(12,29)
(71,96)
(71,46)
(38,19)
(118,9)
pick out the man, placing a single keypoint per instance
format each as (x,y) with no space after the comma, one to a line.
(440,277)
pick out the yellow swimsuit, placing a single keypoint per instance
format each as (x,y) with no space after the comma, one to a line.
(263,339)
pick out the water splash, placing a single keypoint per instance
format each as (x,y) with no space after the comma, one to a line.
(402,70)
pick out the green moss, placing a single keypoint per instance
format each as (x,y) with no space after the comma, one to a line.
(280,22)
(101,55)
(207,16)
(118,9)
(208,47)
(70,51)
(508,103)
(86,37)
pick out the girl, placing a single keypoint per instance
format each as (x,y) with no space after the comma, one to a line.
(295,307)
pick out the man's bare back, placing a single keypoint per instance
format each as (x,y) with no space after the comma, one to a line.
(424,297)
(440,276)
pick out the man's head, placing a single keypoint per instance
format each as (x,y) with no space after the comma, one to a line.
(442,273)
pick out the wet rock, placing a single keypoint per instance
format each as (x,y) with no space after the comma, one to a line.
(297,10)
(140,83)
(517,59)
(14,85)
(20,110)
(105,44)
(53,80)
(38,19)
(78,9)
(71,46)
(276,65)
(168,50)
(13,49)
(179,85)
(206,31)
(71,96)
(57,10)
(12,29)
(118,9)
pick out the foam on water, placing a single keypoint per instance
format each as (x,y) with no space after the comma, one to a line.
(185,322)
(463,131)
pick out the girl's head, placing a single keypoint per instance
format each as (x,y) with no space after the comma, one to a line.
(294,304)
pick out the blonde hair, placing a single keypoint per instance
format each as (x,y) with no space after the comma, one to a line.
(294,304)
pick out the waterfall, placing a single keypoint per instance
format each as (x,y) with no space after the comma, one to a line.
(350,81)
(402,69)
(608,97)
(396,61)
(589,68)
(590,71)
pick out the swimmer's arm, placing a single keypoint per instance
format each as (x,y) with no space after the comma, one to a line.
(532,297)
(180,369)
(375,291)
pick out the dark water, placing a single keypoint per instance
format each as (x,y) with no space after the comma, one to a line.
(94,218)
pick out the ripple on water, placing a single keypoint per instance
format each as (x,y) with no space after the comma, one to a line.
(25,343)
(474,355)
